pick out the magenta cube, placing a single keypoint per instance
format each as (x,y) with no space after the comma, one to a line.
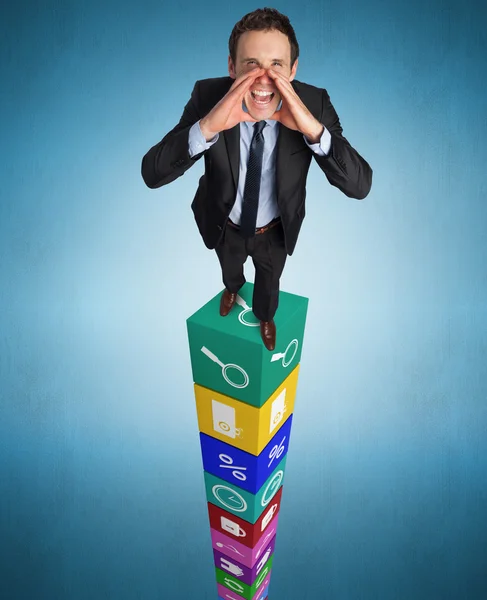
(240,571)
(243,554)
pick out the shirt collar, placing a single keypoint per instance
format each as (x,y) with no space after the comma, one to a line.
(269,122)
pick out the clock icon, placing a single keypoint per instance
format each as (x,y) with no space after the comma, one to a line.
(229,498)
(271,488)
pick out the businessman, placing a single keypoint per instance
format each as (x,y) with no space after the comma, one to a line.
(257,130)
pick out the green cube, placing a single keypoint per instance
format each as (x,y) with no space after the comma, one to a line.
(228,354)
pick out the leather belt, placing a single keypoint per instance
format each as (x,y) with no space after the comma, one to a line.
(259,230)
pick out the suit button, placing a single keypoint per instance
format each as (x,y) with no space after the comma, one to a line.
(219,227)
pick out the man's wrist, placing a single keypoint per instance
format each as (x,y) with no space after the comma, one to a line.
(207,134)
(314,136)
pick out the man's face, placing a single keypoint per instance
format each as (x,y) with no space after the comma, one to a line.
(262,49)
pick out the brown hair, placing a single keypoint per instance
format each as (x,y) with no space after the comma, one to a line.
(263,19)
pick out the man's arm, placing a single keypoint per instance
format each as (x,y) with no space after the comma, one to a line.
(197,141)
(170,158)
(322,146)
(343,166)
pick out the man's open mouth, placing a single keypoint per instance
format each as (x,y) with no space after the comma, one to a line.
(262,97)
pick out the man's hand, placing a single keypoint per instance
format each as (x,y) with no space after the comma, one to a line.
(293,113)
(228,112)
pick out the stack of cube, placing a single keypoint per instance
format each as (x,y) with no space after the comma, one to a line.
(244,400)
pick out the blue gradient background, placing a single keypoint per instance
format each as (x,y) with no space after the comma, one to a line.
(102,491)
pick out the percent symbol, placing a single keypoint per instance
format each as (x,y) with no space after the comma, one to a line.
(276,451)
(237,471)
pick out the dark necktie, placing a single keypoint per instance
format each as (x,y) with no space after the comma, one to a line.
(250,205)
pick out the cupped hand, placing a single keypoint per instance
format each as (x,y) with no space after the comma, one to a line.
(293,113)
(228,111)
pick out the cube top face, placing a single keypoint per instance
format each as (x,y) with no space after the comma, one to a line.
(228,355)
(241,425)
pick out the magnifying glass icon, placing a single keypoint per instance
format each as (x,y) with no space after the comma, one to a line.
(227,367)
(293,346)
(241,317)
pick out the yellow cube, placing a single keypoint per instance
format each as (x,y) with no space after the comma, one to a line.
(240,424)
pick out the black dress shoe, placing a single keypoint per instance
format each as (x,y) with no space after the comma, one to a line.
(226,303)
(268,334)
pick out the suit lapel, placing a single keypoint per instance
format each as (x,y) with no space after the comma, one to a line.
(287,143)
(232,141)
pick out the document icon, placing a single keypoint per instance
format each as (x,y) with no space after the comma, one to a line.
(223,418)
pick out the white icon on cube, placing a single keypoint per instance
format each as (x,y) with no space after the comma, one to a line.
(234,585)
(266,520)
(231,568)
(224,419)
(230,547)
(267,537)
(278,409)
(263,560)
(231,527)
(261,577)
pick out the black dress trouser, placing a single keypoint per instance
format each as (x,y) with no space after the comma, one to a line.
(268,254)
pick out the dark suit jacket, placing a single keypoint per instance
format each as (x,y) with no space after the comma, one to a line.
(217,190)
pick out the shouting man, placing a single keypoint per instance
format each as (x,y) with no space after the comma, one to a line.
(257,130)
